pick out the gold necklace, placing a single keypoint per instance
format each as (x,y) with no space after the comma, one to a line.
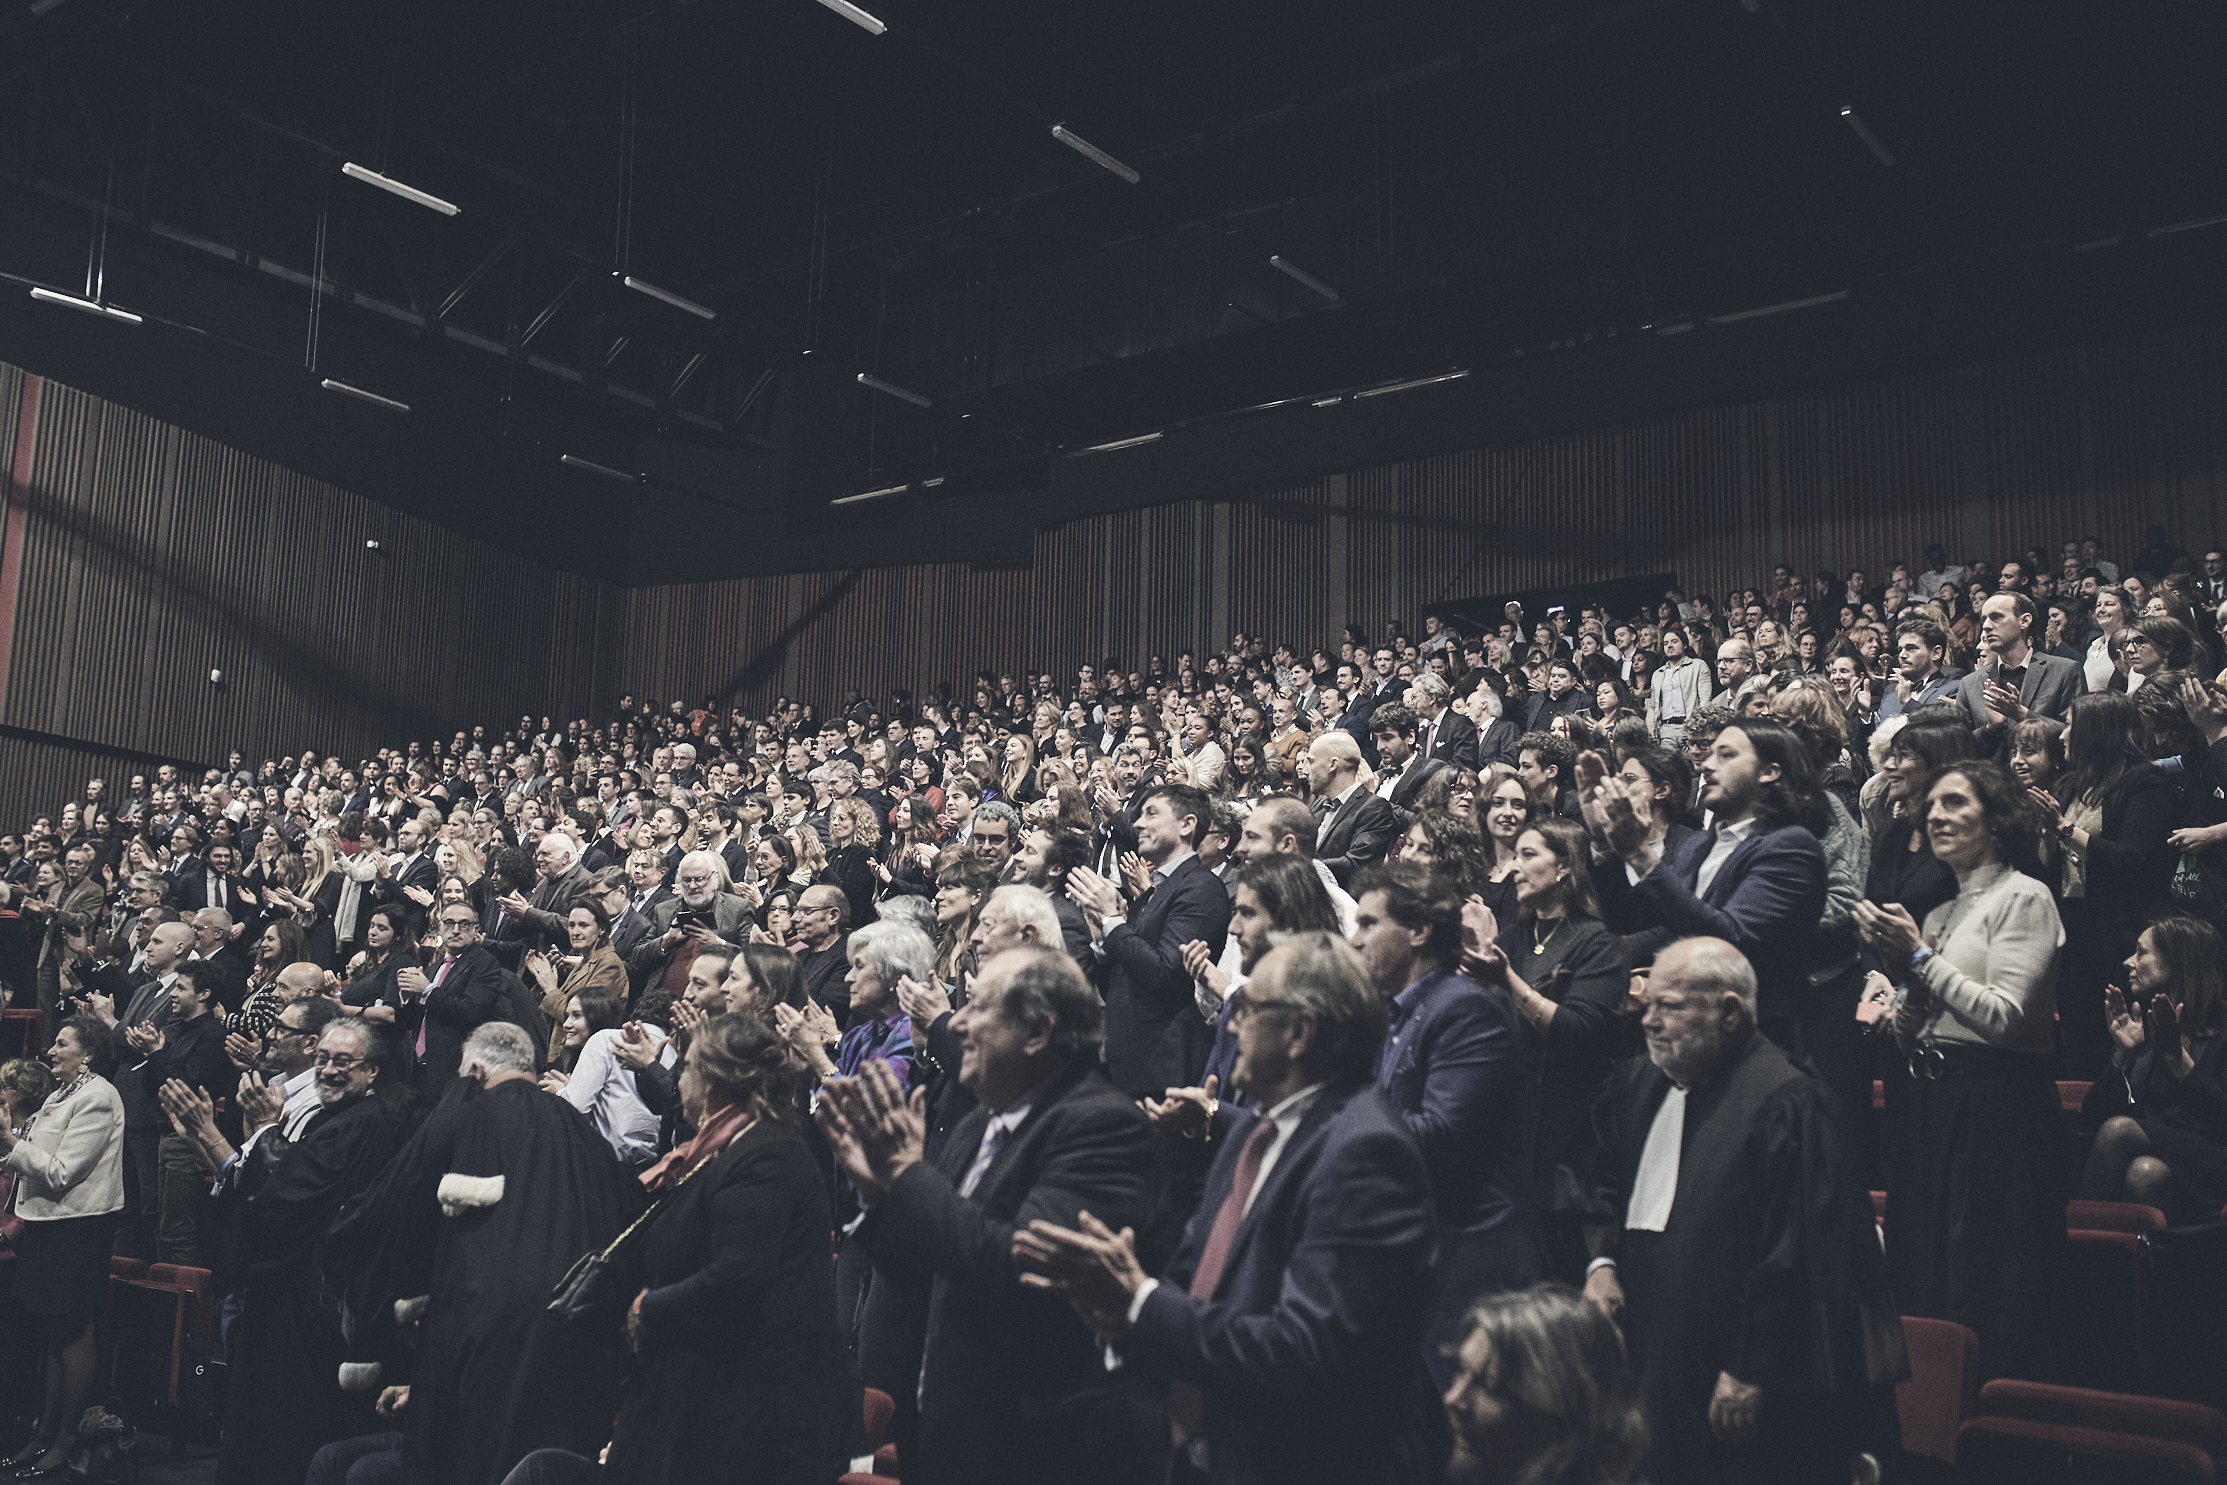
(1538,944)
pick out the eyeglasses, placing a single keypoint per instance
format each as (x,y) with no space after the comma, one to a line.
(1245,1007)
(456,924)
(282,1029)
(338,1063)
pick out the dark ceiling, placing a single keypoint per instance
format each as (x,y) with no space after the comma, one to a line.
(1469,179)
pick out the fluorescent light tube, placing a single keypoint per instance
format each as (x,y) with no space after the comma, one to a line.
(2187,226)
(407,193)
(855,16)
(894,390)
(1303,276)
(603,469)
(1863,132)
(71,301)
(1089,151)
(1421,381)
(881,494)
(372,397)
(1120,443)
(673,299)
(41,7)
(1777,309)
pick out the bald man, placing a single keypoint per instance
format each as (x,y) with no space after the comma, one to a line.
(1354,828)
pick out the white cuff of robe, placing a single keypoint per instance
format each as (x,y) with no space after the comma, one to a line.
(1599,1263)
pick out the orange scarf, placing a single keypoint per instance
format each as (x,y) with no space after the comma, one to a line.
(718,1132)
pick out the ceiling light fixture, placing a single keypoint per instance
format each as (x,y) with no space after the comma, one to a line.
(882,494)
(89,306)
(41,7)
(1421,381)
(1303,276)
(855,16)
(2188,226)
(1671,327)
(1871,140)
(1331,401)
(673,299)
(603,469)
(1777,309)
(1089,151)
(408,193)
(371,397)
(1120,443)
(894,390)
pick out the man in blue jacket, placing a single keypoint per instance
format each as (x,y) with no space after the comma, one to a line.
(1289,1324)
(1757,880)
(1452,1069)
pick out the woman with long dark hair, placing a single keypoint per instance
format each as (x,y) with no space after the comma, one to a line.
(2162,1105)
(2119,808)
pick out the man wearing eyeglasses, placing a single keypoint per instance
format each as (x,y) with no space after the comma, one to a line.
(697,917)
(440,1010)
(279,1191)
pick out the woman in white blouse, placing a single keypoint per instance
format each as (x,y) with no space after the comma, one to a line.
(1976,1175)
(593,1080)
(2114,611)
(68,1179)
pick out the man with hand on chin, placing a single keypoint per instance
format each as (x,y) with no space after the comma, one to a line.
(1287,1331)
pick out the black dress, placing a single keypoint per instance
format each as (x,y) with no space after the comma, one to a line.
(1565,1063)
(2184,1119)
(741,1376)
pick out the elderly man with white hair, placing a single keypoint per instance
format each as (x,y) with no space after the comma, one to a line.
(702,912)
(561,881)
(1738,1235)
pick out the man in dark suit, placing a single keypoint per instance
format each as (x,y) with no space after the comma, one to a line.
(1379,687)
(1119,805)
(560,882)
(1047,857)
(1288,1328)
(416,870)
(147,1004)
(1452,1067)
(1563,694)
(1922,672)
(1401,770)
(1155,1039)
(209,880)
(1756,880)
(464,991)
(2014,680)
(1441,733)
(1010,1386)
(1354,827)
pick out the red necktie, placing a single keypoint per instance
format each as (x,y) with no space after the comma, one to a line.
(1186,1410)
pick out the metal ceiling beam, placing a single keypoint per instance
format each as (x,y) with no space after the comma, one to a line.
(549,311)
(471,280)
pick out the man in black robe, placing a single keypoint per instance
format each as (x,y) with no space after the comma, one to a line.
(1760,1323)
(277,1197)
(469,1230)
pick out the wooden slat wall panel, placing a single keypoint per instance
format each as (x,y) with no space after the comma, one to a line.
(152,556)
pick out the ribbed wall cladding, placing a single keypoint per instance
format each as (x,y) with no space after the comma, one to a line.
(151,556)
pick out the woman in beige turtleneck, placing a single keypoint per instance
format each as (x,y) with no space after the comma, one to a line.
(1976,1184)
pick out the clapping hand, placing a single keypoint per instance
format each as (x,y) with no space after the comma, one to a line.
(2129,1032)
(2204,710)
(1890,932)
(514,905)
(192,1112)
(1135,873)
(553,1081)
(638,1047)
(422,896)
(1481,956)
(876,1132)
(2003,704)
(923,1004)
(1198,963)
(1186,1112)
(145,1038)
(1090,1263)
(689,1017)
(241,1051)
(260,1103)
(2165,1035)
(1093,893)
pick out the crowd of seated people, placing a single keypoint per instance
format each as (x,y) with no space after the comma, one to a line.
(1380,1062)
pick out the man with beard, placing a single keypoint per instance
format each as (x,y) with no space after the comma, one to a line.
(279,1195)
(470,1228)
(1045,858)
(1761,1327)
(699,918)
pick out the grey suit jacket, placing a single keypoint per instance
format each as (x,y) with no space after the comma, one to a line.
(2048,689)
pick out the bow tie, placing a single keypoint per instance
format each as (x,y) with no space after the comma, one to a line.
(1394,771)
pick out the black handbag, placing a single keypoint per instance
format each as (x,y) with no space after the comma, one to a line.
(598,1286)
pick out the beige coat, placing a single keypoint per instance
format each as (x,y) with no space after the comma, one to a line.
(71,1162)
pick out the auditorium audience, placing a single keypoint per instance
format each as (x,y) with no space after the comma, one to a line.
(1092,922)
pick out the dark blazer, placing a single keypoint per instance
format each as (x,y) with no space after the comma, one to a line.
(1542,706)
(419,871)
(1498,744)
(2050,685)
(1452,1069)
(189,890)
(2130,866)
(1765,901)
(468,997)
(1013,1386)
(1359,834)
(1456,742)
(1412,779)
(1309,1357)
(542,925)
(1154,1037)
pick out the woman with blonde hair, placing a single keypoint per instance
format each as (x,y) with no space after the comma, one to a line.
(854,845)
